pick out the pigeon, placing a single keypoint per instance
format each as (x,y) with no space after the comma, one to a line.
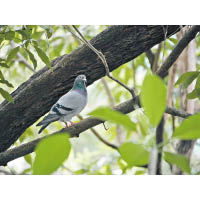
(69,105)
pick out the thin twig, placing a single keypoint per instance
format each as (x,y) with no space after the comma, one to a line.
(165,36)
(78,39)
(103,59)
(159,140)
(99,137)
(105,126)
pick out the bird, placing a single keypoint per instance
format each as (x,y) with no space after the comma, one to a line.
(69,105)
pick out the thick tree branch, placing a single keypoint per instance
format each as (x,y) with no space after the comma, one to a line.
(75,130)
(190,35)
(35,97)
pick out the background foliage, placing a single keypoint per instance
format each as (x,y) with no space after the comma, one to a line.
(26,49)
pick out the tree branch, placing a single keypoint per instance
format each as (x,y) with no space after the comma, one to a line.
(75,130)
(155,63)
(150,55)
(159,140)
(36,96)
(190,35)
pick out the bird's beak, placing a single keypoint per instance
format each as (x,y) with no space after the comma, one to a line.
(85,80)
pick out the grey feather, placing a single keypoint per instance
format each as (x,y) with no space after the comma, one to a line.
(69,105)
(43,127)
(46,121)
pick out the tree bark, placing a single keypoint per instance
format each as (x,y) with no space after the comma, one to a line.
(35,97)
(185,63)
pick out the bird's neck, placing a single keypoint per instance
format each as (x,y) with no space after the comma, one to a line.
(80,87)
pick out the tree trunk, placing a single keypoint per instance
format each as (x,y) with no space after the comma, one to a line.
(185,63)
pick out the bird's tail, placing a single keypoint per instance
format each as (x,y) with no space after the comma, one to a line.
(46,121)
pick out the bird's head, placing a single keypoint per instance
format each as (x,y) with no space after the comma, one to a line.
(80,82)
(81,77)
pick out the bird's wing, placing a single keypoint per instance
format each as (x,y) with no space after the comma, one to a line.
(68,104)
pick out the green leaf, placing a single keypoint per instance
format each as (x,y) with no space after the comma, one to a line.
(28,159)
(26,34)
(122,164)
(12,54)
(32,58)
(6,95)
(48,30)
(1,76)
(4,65)
(189,128)
(9,35)
(175,41)
(179,160)
(153,98)
(26,134)
(34,42)
(105,113)
(134,154)
(80,171)
(140,172)
(194,94)
(51,152)
(43,56)
(143,122)
(187,78)
(2,36)
(26,171)
(7,83)
(198,82)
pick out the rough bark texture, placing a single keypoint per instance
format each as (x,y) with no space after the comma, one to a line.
(35,97)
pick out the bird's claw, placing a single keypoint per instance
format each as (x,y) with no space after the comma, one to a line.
(71,124)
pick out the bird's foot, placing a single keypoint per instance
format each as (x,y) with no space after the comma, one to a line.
(66,125)
(72,123)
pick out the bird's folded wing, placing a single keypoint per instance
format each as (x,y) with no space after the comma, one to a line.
(67,104)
